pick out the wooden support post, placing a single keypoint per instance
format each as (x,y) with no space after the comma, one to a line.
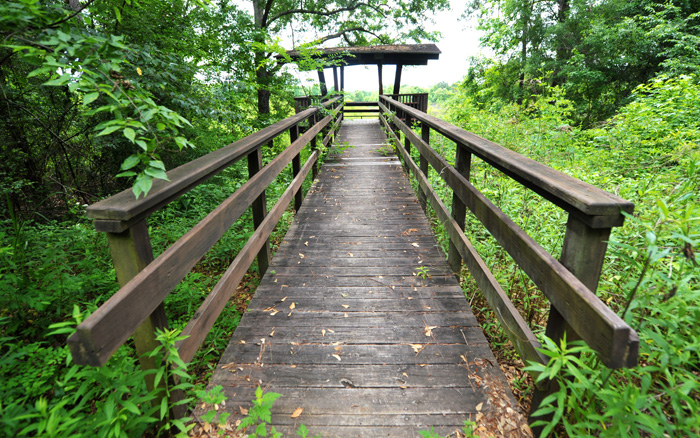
(322,83)
(296,166)
(342,78)
(335,79)
(381,85)
(131,253)
(463,161)
(259,207)
(314,146)
(582,254)
(397,79)
(424,165)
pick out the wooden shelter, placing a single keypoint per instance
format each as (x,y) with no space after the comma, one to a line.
(399,55)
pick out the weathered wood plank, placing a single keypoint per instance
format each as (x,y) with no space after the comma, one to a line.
(569,193)
(595,322)
(350,331)
(203,320)
(112,324)
(123,206)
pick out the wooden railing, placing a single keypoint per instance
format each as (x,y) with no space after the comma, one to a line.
(570,283)
(137,308)
(361,109)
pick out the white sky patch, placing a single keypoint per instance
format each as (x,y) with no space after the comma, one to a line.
(459,41)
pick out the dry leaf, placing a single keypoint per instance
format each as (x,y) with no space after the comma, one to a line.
(292,306)
(346,314)
(330,331)
(306,243)
(344,295)
(479,406)
(416,347)
(429,330)
(345,305)
(243,410)
(351,254)
(415,244)
(336,356)
(338,348)
(323,332)
(406,375)
(289,314)
(274,312)
(302,255)
(283,299)
(297,412)
(272,333)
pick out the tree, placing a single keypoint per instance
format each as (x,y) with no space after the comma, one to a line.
(354,22)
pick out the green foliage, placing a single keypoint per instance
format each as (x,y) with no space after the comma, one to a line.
(260,415)
(648,154)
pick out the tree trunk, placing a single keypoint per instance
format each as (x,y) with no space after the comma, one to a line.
(262,75)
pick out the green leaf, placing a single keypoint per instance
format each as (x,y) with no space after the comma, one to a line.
(163,407)
(118,13)
(130,162)
(156,173)
(90,97)
(126,174)
(130,134)
(109,130)
(142,184)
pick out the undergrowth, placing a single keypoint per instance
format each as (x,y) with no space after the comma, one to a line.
(649,155)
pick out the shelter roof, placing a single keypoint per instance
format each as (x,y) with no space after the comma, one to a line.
(406,54)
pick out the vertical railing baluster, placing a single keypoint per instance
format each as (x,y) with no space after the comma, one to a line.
(463,160)
(259,208)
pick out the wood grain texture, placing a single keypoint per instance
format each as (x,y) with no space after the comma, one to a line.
(569,193)
(595,322)
(112,324)
(345,327)
(124,208)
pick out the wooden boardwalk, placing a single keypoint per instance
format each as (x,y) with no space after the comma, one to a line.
(359,320)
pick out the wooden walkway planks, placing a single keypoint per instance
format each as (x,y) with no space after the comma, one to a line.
(343,327)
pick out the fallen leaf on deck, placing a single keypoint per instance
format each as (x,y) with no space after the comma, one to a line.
(274,312)
(479,406)
(292,306)
(243,410)
(415,244)
(416,347)
(344,295)
(272,333)
(302,255)
(306,243)
(345,305)
(283,299)
(336,356)
(350,254)
(297,412)
(323,332)
(429,330)
(346,314)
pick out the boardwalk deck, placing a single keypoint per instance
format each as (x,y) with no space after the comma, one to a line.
(343,327)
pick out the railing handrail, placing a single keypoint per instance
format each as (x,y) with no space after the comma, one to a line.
(118,212)
(147,283)
(597,208)
(573,297)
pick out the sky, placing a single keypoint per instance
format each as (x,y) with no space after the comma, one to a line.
(459,41)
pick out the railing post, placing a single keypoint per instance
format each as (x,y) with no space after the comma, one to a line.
(463,161)
(582,254)
(296,166)
(314,146)
(259,207)
(424,165)
(131,252)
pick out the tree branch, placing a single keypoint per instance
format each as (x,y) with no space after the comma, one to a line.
(324,13)
(266,14)
(344,32)
(77,12)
